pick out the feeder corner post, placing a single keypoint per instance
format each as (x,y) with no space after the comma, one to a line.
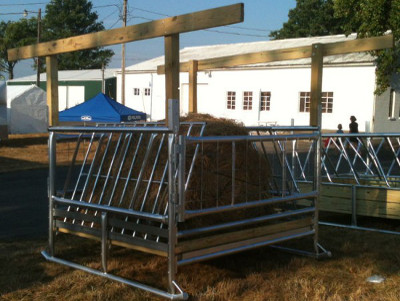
(316,120)
(171,44)
(52,89)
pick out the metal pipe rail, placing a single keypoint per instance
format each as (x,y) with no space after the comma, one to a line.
(353,166)
(143,187)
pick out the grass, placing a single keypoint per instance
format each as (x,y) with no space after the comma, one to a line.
(261,274)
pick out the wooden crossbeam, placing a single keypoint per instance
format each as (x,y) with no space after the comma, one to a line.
(360,45)
(220,16)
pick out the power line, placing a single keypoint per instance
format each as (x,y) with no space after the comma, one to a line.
(24,4)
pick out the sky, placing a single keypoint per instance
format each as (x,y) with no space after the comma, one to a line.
(260,17)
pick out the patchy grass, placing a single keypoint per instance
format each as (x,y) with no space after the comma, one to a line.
(21,152)
(262,274)
(29,151)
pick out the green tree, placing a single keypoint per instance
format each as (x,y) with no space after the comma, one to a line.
(310,18)
(12,35)
(374,18)
(66,18)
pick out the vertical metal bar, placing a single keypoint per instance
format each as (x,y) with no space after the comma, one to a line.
(155,163)
(110,169)
(283,150)
(121,163)
(150,180)
(51,189)
(202,175)
(354,205)
(395,154)
(172,226)
(142,171)
(194,158)
(347,158)
(71,166)
(233,171)
(181,178)
(317,187)
(104,241)
(99,169)
(138,145)
(375,159)
(83,166)
(217,174)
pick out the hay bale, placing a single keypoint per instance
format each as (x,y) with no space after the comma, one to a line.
(210,184)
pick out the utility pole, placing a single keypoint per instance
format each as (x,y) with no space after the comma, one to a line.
(39,20)
(123,56)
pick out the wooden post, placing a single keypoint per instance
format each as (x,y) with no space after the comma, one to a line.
(193,86)
(171,44)
(316,85)
(52,89)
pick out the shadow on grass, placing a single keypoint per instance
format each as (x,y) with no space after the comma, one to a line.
(22,265)
(24,141)
(9,165)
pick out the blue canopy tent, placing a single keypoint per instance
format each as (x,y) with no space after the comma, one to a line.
(101,108)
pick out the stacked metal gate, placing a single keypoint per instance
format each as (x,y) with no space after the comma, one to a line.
(145,187)
(360,176)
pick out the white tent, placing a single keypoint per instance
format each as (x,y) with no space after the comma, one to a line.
(27,109)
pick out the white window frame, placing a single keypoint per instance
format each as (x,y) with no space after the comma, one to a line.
(265,101)
(231,100)
(247,100)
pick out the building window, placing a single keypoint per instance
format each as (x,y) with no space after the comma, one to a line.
(247,100)
(147,91)
(327,102)
(304,101)
(265,104)
(136,91)
(392,104)
(231,100)
(326,99)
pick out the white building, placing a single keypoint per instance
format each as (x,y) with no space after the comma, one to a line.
(275,92)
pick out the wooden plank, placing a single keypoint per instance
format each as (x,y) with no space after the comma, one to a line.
(172,70)
(219,239)
(193,86)
(375,202)
(114,242)
(359,45)
(316,85)
(52,89)
(247,59)
(335,48)
(220,16)
(248,243)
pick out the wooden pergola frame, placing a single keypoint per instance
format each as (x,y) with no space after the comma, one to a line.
(169,28)
(315,51)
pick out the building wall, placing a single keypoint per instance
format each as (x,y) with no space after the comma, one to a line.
(352,89)
(387,109)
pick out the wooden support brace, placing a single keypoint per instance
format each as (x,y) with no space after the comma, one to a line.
(193,87)
(52,89)
(172,70)
(220,16)
(359,45)
(316,84)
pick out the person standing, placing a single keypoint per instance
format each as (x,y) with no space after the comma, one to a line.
(353,126)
